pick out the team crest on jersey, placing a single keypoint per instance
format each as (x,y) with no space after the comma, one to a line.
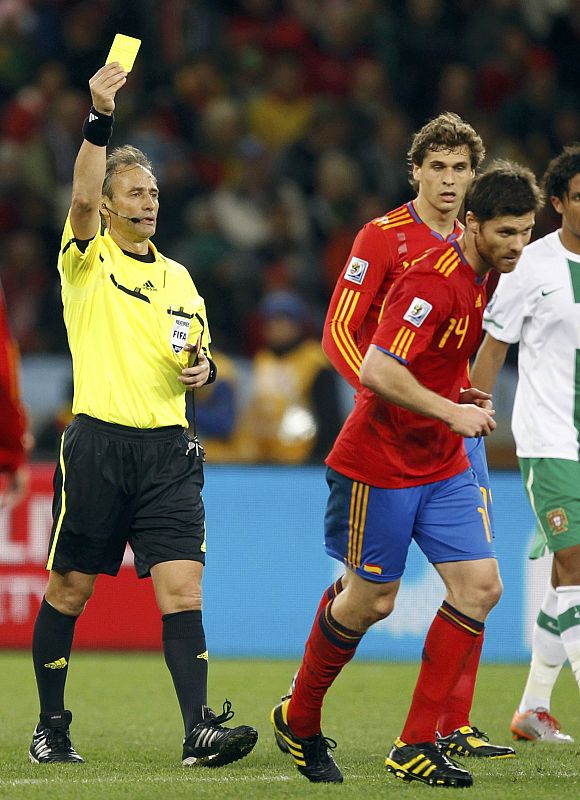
(557,520)
(417,312)
(356,270)
(179,333)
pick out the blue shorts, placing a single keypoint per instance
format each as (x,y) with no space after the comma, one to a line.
(370,529)
(475,449)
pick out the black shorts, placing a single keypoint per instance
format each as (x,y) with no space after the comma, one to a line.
(114,484)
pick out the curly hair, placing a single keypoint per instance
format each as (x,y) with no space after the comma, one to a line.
(506,188)
(561,170)
(445,132)
(119,159)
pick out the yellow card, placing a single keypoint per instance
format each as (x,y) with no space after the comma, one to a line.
(124,50)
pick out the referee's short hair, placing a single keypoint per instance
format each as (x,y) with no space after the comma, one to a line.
(119,159)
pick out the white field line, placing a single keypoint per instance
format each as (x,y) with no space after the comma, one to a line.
(145,779)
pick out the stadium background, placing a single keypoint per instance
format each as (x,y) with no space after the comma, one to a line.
(276,130)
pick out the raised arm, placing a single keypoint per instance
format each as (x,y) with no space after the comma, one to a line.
(391,380)
(89,170)
(488,362)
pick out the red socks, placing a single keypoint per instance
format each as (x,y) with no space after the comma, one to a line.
(449,644)
(458,706)
(329,647)
(329,595)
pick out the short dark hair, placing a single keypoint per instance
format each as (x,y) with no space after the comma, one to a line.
(445,132)
(561,170)
(118,160)
(504,189)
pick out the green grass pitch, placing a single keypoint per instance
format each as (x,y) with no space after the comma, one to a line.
(127,727)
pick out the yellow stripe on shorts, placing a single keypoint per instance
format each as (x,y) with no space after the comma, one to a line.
(50,561)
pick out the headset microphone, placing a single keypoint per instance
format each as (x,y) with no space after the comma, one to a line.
(135,220)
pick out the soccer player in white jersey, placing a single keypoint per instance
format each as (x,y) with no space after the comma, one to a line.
(538,305)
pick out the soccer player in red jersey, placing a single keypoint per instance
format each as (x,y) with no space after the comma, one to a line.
(399,471)
(444,156)
(13,468)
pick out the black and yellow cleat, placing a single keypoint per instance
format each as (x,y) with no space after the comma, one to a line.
(310,755)
(424,762)
(469,741)
(280,741)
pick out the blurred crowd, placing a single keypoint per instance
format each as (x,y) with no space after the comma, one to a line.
(276,129)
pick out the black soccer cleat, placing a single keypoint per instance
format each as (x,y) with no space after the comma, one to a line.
(310,755)
(469,741)
(424,762)
(51,742)
(209,744)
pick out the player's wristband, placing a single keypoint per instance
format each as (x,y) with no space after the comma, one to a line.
(97,127)
(212,372)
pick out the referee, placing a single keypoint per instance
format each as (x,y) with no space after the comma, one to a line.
(128,471)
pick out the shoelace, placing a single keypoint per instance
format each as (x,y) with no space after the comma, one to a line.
(58,738)
(327,742)
(437,756)
(480,734)
(322,744)
(225,716)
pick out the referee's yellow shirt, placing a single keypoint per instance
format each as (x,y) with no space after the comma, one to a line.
(127,322)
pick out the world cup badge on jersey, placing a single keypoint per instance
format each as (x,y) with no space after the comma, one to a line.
(417,312)
(356,270)
(179,333)
(557,520)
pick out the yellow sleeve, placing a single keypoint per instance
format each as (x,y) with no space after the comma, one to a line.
(75,266)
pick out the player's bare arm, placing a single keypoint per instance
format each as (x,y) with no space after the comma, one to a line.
(488,362)
(89,170)
(392,381)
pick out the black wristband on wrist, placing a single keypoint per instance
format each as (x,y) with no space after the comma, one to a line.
(212,372)
(97,127)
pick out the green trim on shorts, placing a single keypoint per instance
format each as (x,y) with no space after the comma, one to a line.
(553,487)
(569,619)
(549,624)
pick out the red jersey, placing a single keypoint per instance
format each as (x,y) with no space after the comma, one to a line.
(432,323)
(381,251)
(12,417)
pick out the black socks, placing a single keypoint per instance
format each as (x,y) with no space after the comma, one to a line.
(51,646)
(185,653)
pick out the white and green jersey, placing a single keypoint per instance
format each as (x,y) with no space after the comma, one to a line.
(538,305)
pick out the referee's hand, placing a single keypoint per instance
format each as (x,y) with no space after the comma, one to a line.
(196,376)
(105,84)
